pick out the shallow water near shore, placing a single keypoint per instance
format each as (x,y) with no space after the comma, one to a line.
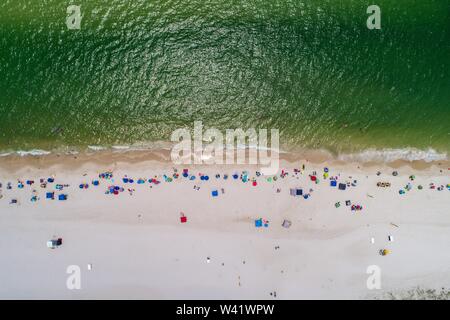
(138,70)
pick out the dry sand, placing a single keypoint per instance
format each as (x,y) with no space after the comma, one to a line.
(138,248)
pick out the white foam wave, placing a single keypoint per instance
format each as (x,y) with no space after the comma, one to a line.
(97,148)
(390,155)
(33,152)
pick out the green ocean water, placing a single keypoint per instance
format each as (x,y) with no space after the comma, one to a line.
(137,70)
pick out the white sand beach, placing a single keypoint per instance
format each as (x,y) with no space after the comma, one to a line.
(137,248)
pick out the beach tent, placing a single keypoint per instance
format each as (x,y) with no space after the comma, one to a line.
(62,197)
(50,244)
(215,193)
(333,183)
(342,186)
(296,192)
(286,224)
(50,195)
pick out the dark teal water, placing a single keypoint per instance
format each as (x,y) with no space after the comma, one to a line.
(137,70)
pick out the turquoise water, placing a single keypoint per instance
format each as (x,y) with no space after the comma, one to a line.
(137,70)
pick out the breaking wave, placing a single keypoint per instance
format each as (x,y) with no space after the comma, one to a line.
(390,155)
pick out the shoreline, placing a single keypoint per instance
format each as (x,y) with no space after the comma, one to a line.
(161,158)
